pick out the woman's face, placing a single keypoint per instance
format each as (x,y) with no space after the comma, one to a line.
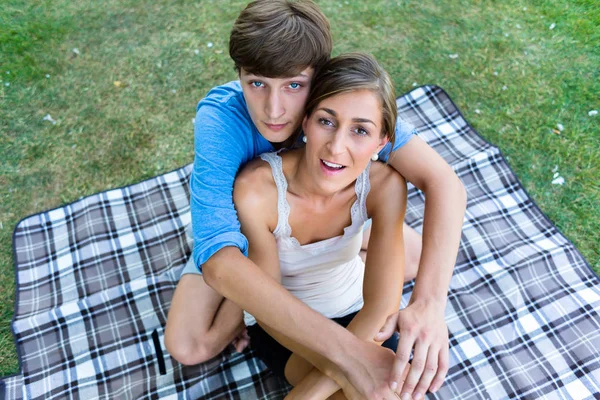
(342,134)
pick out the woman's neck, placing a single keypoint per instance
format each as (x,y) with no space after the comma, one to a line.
(303,182)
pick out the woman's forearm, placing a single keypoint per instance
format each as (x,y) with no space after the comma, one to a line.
(315,386)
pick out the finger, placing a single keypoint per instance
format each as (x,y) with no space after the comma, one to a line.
(388,328)
(429,372)
(438,380)
(417,365)
(405,345)
(241,344)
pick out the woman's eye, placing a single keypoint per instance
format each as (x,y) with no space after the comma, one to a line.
(361,131)
(295,85)
(325,121)
(257,84)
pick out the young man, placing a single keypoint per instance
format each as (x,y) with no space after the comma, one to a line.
(276,46)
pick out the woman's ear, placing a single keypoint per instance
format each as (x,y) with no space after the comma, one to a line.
(382,142)
(304,123)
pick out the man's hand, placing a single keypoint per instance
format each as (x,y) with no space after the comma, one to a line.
(423,331)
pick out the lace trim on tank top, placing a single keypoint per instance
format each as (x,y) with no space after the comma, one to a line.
(283,206)
(358,211)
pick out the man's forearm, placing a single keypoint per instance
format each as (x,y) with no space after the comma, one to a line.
(243,282)
(442,226)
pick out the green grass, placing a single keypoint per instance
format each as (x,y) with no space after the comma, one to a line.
(523,77)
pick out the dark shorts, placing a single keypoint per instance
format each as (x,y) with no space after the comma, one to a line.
(275,356)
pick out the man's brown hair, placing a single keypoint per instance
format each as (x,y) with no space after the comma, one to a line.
(280,38)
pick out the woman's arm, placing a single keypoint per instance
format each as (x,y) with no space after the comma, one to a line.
(421,324)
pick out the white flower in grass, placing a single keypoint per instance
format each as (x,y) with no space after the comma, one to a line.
(196,51)
(453,56)
(209,44)
(504,87)
(524,8)
(593,113)
(477,111)
(76,51)
(560,127)
(552,26)
(495,73)
(7,84)
(414,84)
(49,118)
(47,76)
(558,180)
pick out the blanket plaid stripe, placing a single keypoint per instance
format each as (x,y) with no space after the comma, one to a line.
(95,280)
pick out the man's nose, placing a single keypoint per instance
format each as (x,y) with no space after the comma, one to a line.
(274,107)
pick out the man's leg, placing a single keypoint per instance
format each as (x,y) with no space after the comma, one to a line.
(201,323)
(412,250)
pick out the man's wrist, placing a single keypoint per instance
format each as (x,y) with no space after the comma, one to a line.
(429,298)
(338,354)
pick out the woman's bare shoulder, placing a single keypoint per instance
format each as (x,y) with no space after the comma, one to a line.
(384,177)
(386,184)
(254,184)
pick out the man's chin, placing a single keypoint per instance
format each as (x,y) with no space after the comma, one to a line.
(276,137)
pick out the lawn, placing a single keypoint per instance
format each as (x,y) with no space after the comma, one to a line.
(95,95)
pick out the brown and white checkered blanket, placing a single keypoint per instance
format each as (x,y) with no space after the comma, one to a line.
(95,280)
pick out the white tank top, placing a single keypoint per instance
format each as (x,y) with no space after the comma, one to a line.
(326,275)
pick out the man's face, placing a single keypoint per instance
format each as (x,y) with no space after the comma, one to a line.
(276,105)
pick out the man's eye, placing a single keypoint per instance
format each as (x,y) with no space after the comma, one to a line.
(295,85)
(257,84)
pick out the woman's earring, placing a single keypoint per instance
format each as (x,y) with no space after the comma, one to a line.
(375,157)
(304,139)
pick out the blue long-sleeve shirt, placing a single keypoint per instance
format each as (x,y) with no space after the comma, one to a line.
(225,139)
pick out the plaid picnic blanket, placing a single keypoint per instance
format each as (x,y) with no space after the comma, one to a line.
(95,280)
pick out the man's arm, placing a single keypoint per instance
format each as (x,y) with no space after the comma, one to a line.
(421,323)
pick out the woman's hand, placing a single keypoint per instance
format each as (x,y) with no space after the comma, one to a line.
(423,331)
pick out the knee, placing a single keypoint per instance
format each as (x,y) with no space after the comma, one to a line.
(188,351)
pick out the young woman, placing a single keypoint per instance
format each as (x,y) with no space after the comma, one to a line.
(304,211)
